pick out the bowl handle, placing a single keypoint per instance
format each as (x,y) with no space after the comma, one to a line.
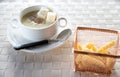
(62,22)
(14,23)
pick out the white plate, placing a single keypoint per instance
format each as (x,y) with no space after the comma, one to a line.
(16,39)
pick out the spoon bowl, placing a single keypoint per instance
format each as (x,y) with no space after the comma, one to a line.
(64,35)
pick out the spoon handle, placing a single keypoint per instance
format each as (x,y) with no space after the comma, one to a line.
(32,44)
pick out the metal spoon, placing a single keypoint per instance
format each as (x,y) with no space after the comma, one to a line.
(60,38)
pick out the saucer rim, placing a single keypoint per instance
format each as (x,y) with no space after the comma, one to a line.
(43,49)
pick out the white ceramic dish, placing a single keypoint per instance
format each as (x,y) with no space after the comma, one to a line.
(37,34)
(16,39)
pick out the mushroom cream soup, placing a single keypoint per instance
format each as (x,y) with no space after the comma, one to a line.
(31,20)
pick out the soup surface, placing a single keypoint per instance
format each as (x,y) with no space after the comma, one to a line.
(30,20)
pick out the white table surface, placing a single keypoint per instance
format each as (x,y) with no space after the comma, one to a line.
(57,62)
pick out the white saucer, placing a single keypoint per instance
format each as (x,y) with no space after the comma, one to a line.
(16,39)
